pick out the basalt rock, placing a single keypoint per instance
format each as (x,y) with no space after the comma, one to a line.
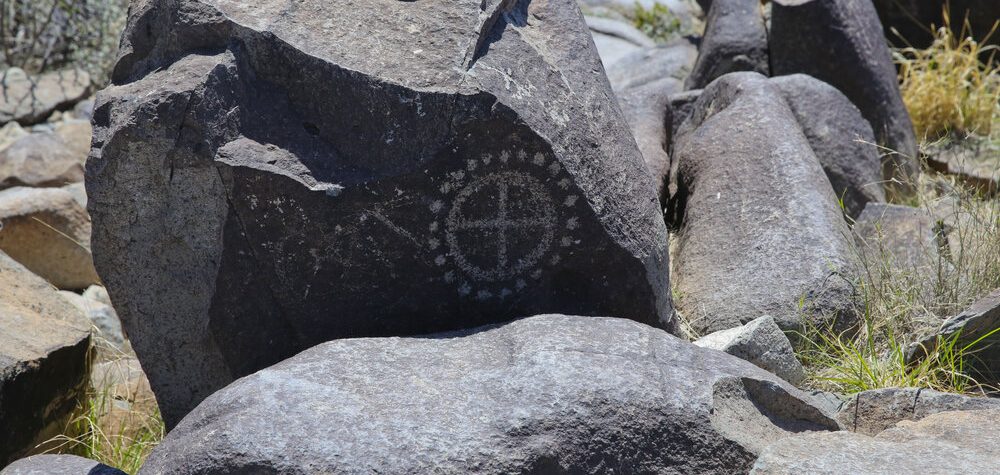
(547,394)
(842,43)
(840,137)
(735,40)
(268,176)
(44,348)
(761,232)
(871,412)
(59,465)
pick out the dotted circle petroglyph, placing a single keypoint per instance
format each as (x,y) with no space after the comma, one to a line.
(514,212)
(542,222)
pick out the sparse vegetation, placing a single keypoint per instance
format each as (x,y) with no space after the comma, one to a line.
(952,87)
(43,35)
(117,423)
(657,22)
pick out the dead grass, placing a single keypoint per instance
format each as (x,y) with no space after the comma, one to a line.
(950,87)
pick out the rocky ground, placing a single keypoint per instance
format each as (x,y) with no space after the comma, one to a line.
(500,237)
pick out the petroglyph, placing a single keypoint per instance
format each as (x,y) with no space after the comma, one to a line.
(502,220)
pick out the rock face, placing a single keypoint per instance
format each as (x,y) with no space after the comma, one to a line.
(31,99)
(913,18)
(761,230)
(841,138)
(953,442)
(44,343)
(735,40)
(670,64)
(647,110)
(241,215)
(547,394)
(40,159)
(49,232)
(59,465)
(760,342)
(908,236)
(616,39)
(979,322)
(842,43)
(871,412)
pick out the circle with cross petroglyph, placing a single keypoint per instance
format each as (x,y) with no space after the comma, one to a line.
(509,216)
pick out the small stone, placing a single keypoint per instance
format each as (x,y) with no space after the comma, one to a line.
(762,343)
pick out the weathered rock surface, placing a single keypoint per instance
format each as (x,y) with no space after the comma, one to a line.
(102,316)
(955,442)
(841,138)
(672,61)
(49,232)
(761,229)
(483,173)
(871,412)
(842,43)
(616,39)
(44,343)
(547,394)
(973,161)
(760,342)
(907,237)
(735,40)
(30,99)
(77,135)
(647,111)
(40,159)
(59,465)
(981,322)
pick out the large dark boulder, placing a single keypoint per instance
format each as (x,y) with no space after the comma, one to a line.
(842,43)
(914,20)
(44,360)
(547,394)
(840,137)
(269,176)
(761,232)
(59,465)
(735,40)
(647,111)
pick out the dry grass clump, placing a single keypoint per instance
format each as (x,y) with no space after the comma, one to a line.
(901,304)
(950,87)
(118,422)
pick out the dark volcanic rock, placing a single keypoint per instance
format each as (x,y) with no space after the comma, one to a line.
(761,231)
(841,42)
(955,442)
(735,40)
(44,348)
(912,19)
(980,322)
(59,465)
(909,237)
(871,412)
(547,394)
(841,138)
(268,176)
(647,110)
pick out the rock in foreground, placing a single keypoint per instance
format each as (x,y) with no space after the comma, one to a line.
(44,344)
(953,442)
(871,412)
(59,465)
(267,176)
(547,394)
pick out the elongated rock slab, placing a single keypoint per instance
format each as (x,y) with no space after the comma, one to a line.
(761,232)
(267,176)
